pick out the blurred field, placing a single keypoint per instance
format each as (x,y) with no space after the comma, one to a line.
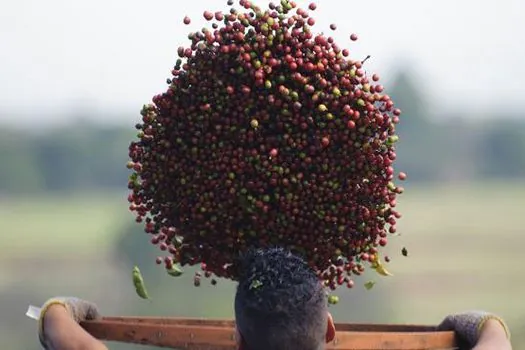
(465,252)
(53,223)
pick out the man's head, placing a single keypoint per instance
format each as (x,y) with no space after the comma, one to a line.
(280,303)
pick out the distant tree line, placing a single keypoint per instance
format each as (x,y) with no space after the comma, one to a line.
(74,157)
(86,156)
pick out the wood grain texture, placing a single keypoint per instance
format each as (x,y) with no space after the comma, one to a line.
(204,334)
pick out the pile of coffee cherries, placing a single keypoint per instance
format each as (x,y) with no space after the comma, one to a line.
(268,135)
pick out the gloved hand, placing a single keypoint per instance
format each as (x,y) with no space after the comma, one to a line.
(468,326)
(79,310)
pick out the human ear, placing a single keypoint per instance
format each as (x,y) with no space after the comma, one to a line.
(330,329)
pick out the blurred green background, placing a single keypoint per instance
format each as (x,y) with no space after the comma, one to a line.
(66,229)
(74,76)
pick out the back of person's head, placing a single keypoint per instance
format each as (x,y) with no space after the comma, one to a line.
(280,303)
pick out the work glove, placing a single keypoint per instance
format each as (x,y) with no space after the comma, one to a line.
(79,310)
(468,326)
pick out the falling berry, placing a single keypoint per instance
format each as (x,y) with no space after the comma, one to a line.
(187,20)
(353,37)
(208,15)
(333,299)
(196,281)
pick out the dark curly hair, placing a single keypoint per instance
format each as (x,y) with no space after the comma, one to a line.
(280,303)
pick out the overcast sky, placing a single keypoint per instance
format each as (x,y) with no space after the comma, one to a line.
(114,55)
